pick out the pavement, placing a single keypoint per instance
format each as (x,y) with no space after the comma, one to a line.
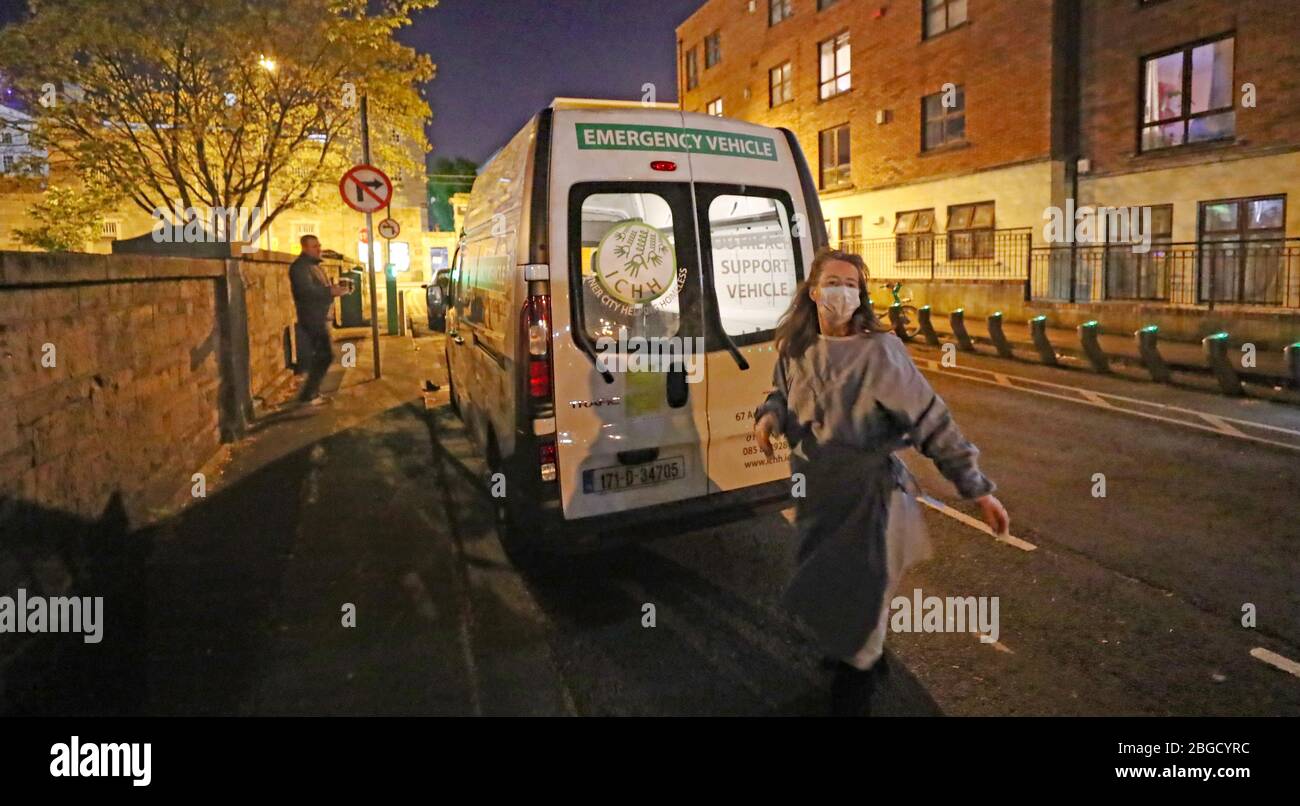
(344,562)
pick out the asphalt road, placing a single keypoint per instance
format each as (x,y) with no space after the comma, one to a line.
(1130,603)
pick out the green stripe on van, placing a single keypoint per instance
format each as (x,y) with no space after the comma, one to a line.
(628,137)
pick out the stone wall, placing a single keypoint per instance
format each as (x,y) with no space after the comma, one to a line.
(122,374)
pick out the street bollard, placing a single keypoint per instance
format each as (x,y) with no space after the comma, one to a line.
(896,319)
(1148,341)
(1038,329)
(999,338)
(1216,355)
(957,319)
(1088,332)
(927,326)
(1293,363)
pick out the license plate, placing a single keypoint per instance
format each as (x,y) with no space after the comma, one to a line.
(625,477)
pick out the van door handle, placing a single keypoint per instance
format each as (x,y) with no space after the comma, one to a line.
(678,391)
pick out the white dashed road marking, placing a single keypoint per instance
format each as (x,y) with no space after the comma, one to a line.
(1276,661)
(975,523)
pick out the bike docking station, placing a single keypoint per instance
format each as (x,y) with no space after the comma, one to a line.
(1043,344)
(957,321)
(1148,343)
(1088,332)
(998,337)
(1216,355)
(897,321)
(927,326)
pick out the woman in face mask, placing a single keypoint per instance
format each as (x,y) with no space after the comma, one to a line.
(846,396)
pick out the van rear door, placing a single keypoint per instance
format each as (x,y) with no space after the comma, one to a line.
(625,278)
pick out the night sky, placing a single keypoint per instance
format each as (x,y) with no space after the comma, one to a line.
(500,61)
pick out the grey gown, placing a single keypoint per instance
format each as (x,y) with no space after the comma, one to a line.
(845,406)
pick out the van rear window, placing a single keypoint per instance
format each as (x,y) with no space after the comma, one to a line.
(630,268)
(755,271)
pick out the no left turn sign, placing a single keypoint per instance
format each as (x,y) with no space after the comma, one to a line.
(365,188)
(390,229)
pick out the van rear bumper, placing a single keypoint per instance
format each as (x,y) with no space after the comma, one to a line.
(691,513)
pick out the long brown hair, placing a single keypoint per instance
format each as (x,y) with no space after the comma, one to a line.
(799,327)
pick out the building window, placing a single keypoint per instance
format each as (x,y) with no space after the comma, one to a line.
(851,234)
(825,4)
(970,231)
(715,107)
(1187,96)
(712,49)
(914,235)
(6,163)
(108,229)
(5,137)
(692,69)
(778,10)
(1242,250)
(780,85)
(1132,274)
(835,65)
(943,119)
(942,15)
(834,158)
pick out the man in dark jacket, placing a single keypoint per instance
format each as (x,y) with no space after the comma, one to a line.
(313,296)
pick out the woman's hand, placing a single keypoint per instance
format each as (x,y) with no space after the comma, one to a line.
(995,515)
(766,426)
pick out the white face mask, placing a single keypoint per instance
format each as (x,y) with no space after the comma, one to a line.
(838,302)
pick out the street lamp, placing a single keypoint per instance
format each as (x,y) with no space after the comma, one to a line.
(267,64)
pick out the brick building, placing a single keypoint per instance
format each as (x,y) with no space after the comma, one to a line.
(946,128)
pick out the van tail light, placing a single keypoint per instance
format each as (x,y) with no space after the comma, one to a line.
(537,319)
(547,459)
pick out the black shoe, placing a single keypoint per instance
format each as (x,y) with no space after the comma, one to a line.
(851,690)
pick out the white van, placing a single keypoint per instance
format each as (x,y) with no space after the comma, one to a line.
(601,233)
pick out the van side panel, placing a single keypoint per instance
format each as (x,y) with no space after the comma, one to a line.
(484,358)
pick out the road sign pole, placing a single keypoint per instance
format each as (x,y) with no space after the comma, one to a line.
(370,238)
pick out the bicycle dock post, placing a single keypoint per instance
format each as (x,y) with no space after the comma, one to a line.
(1148,340)
(957,320)
(927,326)
(897,321)
(1092,346)
(1216,355)
(999,338)
(1038,329)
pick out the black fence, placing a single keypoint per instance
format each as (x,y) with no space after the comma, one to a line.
(970,255)
(1265,272)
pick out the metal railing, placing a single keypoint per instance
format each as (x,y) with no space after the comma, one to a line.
(1264,272)
(969,255)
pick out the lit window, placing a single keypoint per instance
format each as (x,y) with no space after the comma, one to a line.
(835,65)
(1187,96)
(778,10)
(715,107)
(780,85)
(834,157)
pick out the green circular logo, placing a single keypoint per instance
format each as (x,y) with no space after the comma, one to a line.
(635,263)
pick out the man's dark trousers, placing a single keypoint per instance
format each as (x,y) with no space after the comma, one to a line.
(320,355)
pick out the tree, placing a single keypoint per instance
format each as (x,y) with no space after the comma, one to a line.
(67,217)
(247,105)
(448,177)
